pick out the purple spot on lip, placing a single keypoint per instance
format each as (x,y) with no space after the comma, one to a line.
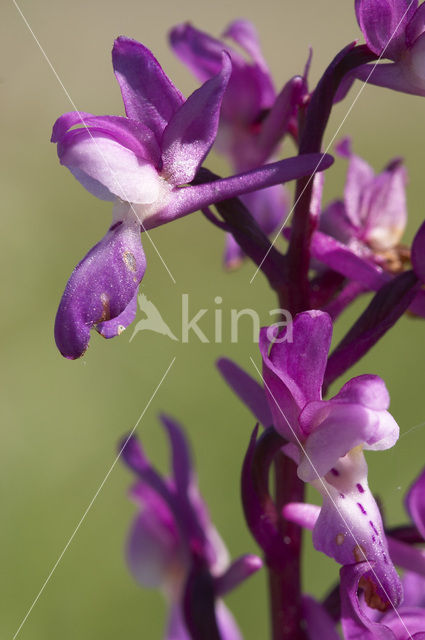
(335,472)
(373,539)
(362,509)
(373,527)
(341,495)
(360,488)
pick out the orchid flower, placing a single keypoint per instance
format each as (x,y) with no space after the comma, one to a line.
(173,546)
(358,620)
(394,29)
(140,163)
(359,236)
(407,621)
(328,454)
(253,119)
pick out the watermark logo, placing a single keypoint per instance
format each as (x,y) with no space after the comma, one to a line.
(223,323)
(153,321)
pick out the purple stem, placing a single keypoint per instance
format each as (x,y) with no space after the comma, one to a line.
(317,116)
(386,307)
(248,234)
(279,539)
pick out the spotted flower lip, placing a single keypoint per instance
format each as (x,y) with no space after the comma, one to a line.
(408,621)
(140,162)
(328,455)
(394,29)
(172,543)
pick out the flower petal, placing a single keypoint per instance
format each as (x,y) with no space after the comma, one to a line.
(346,261)
(191,131)
(114,327)
(153,553)
(198,50)
(387,210)
(341,427)
(407,557)
(418,253)
(238,572)
(349,528)
(247,389)
(149,95)
(320,625)
(244,33)
(106,168)
(100,288)
(293,371)
(355,623)
(415,502)
(181,458)
(226,623)
(335,222)
(199,196)
(383,23)
(129,133)
(360,176)
(233,255)
(397,76)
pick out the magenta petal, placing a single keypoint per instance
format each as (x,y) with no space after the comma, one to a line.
(131,134)
(245,35)
(191,131)
(249,391)
(360,176)
(277,122)
(153,546)
(332,440)
(180,458)
(302,513)
(238,572)
(349,528)
(106,168)
(393,75)
(320,625)
(114,327)
(406,623)
(199,51)
(226,623)
(383,23)
(415,503)
(418,253)
(335,222)
(149,95)
(100,288)
(176,626)
(355,623)
(407,557)
(367,390)
(344,260)
(416,25)
(233,255)
(199,196)
(293,370)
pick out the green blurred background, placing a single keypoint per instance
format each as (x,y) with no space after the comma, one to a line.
(61,420)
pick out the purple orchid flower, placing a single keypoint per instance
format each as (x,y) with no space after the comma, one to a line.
(173,546)
(253,119)
(140,163)
(358,620)
(359,236)
(394,29)
(329,455)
